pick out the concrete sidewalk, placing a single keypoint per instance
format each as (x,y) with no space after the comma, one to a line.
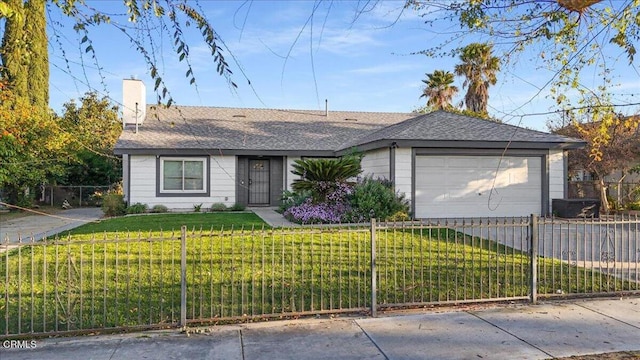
(41,226)
(272,217)
(555,329)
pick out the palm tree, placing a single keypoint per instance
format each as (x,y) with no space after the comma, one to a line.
(439,90)
(479,67)
(321,176)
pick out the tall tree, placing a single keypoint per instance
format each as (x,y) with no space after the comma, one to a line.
(24,40)
(615,153)
(14,69)
(479,67)
(94,127)
(24,51)
(35,28)
(439,89)
(570,37)
(32,146)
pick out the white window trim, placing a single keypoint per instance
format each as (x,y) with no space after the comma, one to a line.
(204,175)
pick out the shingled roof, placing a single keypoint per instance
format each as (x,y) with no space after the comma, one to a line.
(189,127)
(448,126)
(242,129)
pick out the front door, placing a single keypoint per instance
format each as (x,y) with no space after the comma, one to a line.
(259,182)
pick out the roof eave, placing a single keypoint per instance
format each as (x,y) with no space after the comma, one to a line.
(469,144)
(221,152)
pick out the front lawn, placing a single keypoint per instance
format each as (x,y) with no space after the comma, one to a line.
(84,282)
(156,223)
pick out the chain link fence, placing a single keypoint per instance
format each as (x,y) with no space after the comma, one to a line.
(76,196)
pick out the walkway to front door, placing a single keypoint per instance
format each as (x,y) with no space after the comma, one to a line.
(272,217)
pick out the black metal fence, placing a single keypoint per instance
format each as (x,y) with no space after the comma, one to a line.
(170,279)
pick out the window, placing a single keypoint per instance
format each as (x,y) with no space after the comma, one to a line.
(183,175)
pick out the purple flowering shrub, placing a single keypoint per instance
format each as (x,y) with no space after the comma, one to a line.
(323,201)
(331,209)
(317,213)
(343,202)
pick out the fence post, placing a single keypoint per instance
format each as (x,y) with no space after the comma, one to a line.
(533,258)
(183,276)
(374,305)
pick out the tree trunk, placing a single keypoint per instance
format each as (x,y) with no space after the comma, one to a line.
(603,196)
(619,192)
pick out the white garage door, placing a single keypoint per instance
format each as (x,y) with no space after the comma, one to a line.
(477,186)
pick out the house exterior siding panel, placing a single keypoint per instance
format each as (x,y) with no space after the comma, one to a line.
(142,185)
(223,180)
(403,171)
(557,176)
(125,177)
(376,163)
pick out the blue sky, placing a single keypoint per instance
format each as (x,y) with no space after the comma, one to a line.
(296,62)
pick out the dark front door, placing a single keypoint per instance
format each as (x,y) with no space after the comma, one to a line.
(259,182)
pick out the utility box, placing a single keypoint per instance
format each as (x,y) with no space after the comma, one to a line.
(576,208)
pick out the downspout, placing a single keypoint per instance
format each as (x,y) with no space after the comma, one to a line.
(136,116)
(392,164)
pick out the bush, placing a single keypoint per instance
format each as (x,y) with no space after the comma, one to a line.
(633,206)
(347,203)
(320,177)
(317,213)
(137,208)
(373,198)
(113,205)
(237,207)
(332,209)
(25,199)
(159,209)
(197,207)
(291,198)
(218,207)
(95,199)
(400,216)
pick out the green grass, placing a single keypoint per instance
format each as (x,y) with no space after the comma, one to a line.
(157,223)
(78,283)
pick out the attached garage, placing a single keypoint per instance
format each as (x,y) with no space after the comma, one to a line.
(455,186)
(455,166)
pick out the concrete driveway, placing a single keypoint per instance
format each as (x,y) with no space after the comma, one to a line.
(37,227)
(607,246)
